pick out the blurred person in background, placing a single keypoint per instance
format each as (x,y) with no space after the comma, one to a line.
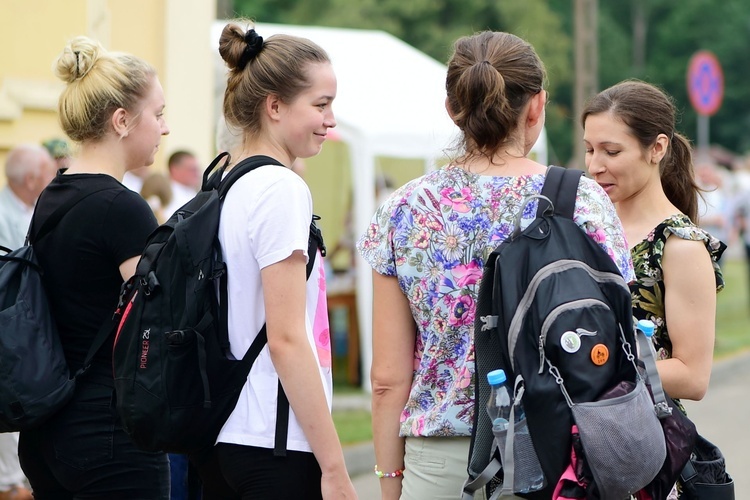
(28,170)
(134,179)
(185,176)
(157,191)
(716,205)
(60,151)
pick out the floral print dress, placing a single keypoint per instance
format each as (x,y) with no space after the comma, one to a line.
(434,235)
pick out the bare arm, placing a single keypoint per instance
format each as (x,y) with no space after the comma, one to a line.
(393,338)
(127,268)
(690,309)
(292,356)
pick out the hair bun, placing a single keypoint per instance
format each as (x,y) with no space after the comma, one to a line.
(77,59)
(254,44)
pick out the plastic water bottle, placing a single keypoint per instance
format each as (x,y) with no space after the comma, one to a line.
(498,406)
(648,327)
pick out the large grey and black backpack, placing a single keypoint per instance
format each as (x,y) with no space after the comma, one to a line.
(555,314)
(175,379)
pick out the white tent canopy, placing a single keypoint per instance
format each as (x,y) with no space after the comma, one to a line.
(390,102)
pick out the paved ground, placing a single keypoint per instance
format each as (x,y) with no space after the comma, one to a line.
(723,417)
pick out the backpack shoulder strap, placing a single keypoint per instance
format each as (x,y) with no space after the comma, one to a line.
(50,223)
(60,212)
(99,340)
(212,174)
(247,165)
(315,241)
(561,187)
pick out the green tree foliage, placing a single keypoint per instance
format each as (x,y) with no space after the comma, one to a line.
(682,28)
(676,30)
(433,25)
(673,31)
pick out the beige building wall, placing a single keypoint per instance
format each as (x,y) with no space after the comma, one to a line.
(173,35)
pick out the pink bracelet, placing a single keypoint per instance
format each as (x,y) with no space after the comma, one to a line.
(381,474)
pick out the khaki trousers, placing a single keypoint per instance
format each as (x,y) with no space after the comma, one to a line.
(435,468)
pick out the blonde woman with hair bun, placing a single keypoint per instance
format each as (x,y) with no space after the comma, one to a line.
(112,106)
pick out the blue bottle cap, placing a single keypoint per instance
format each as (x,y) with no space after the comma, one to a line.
(647,327)
(496,377)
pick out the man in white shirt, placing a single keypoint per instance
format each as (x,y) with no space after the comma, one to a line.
(28,169)
(133,179)
(185,175)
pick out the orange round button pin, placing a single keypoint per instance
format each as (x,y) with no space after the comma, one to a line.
(599,354)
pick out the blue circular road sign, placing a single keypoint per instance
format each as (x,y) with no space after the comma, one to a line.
(705,83)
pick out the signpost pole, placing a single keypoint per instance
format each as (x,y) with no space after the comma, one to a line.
(703,138)
(705,84)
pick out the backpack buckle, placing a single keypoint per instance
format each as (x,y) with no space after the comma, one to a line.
(489,321)
(220,268)
(663,410)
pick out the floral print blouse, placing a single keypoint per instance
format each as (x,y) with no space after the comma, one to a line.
(648,289)
(434,235)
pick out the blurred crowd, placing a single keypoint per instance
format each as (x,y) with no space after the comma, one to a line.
(724,207)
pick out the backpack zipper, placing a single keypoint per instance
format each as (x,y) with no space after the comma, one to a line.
(555,313)
(553,268)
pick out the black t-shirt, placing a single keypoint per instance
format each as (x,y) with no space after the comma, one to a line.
(82,255)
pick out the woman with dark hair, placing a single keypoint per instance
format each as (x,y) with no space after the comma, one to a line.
(635,154)
(427,245)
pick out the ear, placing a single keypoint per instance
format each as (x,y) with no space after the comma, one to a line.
(659,149)
(536,108)
(120,122)
(273,107)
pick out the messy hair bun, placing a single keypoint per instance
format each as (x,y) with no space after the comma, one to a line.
(98,83)
(238,47)
(259,68)
(491,76)
(77,59)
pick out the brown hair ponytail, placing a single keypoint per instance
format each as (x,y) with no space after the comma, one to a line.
(677,178)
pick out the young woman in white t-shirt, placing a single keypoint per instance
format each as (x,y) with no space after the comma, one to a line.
(279,94)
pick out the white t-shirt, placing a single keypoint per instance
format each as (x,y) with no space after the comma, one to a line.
(15,217)
(265,218)
(132,182)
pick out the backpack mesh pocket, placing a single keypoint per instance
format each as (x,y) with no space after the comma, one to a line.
(623,442)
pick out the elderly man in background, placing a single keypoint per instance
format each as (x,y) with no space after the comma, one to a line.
(28,169)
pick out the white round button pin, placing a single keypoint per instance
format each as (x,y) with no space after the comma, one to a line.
(570,342)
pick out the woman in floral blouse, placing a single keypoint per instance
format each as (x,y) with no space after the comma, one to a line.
(427,244)
(645,166)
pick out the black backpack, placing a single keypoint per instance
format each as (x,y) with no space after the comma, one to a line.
(175,379)
(35,381)
(539,284)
